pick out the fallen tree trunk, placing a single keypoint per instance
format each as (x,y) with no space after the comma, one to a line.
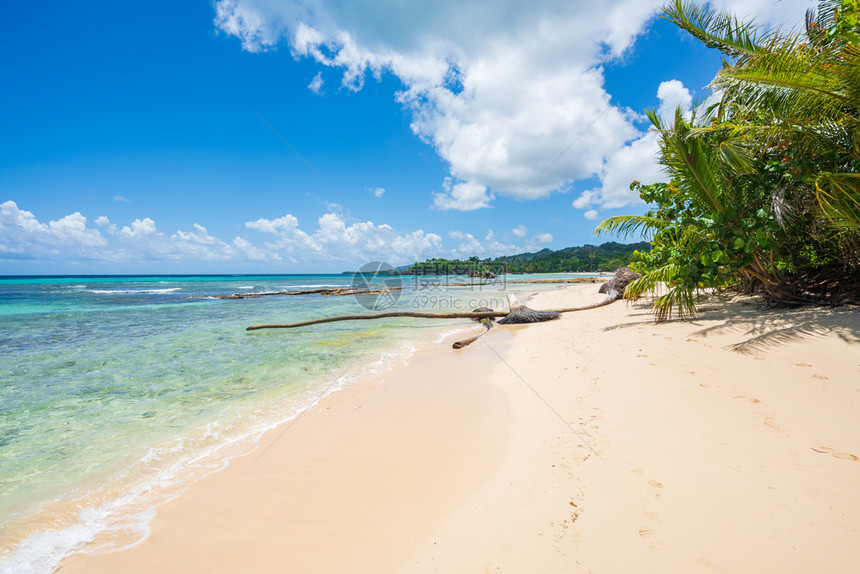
(389,314)
(487,322)
(518,313)
(521,314)
(613,296)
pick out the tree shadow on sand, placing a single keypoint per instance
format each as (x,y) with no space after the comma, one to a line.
(761,329)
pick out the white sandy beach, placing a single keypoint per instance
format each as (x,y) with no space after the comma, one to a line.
(601,442)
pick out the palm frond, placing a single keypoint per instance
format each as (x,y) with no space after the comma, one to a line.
(679,297)
(715,29)
(650,282)
(735,156)
(690,161)
(839,197)
(627,225)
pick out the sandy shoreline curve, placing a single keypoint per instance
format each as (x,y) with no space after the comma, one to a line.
(600,442)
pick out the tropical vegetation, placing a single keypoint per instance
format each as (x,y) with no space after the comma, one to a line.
(763,189)
(587,258)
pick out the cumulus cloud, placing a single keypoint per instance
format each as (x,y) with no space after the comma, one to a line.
(138,228)
(465,196)
(469,245)
(672,95)
(331,242)
(378,192)
(316,84)
(635,161)
(786,14)
(24,236)
(335,240)
(539,241)
(499,88)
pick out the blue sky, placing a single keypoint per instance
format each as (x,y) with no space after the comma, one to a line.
(289,136)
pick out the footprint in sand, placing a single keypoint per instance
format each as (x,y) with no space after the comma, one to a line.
(820,377)
(692,340)
(655,484)
(750,399)
(836,453)
(769,421)
(648,532)
(802,365)
(652,517)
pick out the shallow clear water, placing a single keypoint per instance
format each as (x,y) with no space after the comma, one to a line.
(114,385)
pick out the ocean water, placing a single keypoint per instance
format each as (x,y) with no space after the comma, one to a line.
(113,390)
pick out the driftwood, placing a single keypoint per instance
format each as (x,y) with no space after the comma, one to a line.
(389,314)
(619,281)
(477,315)
(486,321)
(522,314)
(518,313)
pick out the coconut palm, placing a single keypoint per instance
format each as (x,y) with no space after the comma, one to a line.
(767,185)
(797,88)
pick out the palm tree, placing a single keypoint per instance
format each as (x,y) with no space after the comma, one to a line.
(782,147)
(798,88)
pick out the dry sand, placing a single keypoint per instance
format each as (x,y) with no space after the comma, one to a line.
(601,442)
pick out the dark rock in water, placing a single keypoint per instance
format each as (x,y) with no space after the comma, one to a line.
(482,274)
(622,278)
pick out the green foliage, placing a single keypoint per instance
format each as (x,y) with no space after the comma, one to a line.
(587,258)
(766,191)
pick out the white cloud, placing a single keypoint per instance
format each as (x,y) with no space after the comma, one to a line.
(462,196)
(499,100)
(23,236)
(520,230)
(500,88)
(378,192)
(334,240)
(539,241)
(787,14)
(673,94)
(468,245)
(279,225)
(138,228)
(584,200)
(635,161)
(252,252)
(316,84)
(121,199)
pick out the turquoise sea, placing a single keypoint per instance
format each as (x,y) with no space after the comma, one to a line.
(115,389)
